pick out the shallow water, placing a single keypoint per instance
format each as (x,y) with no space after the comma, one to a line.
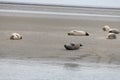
(51,70)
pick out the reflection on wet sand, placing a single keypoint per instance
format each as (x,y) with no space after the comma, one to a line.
(71,65)
(57,70)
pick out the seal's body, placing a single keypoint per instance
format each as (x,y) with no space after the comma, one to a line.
(106,28)
(78,33)
(111,36)
(114,30)
(72,46)
(111,30)
(15,36)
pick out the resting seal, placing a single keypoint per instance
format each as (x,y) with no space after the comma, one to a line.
(78,33)
(114,30)
(15,36)
(72,46)
(111,30)
(106,28)
(111,36)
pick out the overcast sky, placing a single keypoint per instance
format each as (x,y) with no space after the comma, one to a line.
(92,3)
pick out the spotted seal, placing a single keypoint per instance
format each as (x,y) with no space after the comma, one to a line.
(72,46)
(15,36)
(78,33)
(111,30)
(111,36)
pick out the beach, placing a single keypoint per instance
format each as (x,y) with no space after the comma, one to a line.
(41,55)
(44,38)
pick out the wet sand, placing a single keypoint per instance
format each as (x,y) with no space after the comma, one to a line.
(44,38)
(46,70)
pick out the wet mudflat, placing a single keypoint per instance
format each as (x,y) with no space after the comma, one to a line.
(45,38)
(56,70)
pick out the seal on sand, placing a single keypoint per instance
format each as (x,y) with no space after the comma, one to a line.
(111,30)
(72,46)
(114,30)
(15,36)
(78,33)
(111,36)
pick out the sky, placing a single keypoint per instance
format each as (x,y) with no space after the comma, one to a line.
(88,3)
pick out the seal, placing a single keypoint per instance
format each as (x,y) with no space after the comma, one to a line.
(78,33)
(106,28)
(114,30)
(72,46)
(111,30)
(111,36)
(15,36)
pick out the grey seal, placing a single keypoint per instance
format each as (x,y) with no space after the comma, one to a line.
(72,46)
(78,33)
(111,36)
(111,30)
(15,36)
